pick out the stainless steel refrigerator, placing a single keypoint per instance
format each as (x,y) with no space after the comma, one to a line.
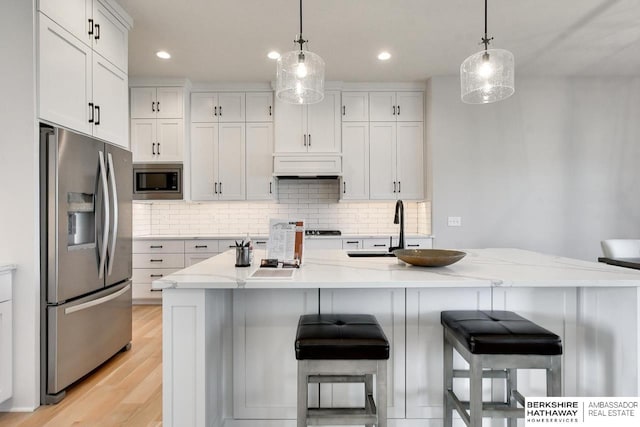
(86,191)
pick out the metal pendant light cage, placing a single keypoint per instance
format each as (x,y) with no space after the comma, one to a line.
(300,77)
(300,74)
(487,76)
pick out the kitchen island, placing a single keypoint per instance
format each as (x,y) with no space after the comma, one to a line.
(228,354)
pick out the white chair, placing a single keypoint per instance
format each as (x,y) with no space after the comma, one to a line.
(621,248)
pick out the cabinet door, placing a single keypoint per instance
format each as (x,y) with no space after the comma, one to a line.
(410,106)
(231,107)
(6,351)
(143,103)
(355,161)
(231,161)
(192,259)
(351,244)
(72,15)
(424,346)
(410,160)
(204,146)
(169,103)
(204,107)
(110,38)
(259,161)
(382,164)
(382,106)
(111,103)
(264,363)
(289,128)
(143,140)
(323,125)
(388,305)
(355,107)
(259,107)
(170,140)
(64,77)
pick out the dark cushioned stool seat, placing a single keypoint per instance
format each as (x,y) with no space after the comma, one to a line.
(340,336)
(500,332)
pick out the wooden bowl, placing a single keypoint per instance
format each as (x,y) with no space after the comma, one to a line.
(429,257)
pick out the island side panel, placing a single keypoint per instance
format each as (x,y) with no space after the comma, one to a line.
(265,368)
(388,305)
(609,323)
(424,363)
(196,389)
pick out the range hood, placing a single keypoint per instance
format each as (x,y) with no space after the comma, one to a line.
(307,166)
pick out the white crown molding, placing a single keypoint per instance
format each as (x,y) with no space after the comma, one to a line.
(231,87)
(153,82)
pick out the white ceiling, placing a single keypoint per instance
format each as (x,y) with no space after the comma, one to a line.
(228,40)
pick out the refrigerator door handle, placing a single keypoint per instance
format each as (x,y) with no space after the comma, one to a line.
(98,301)
(114,235)
(105,232)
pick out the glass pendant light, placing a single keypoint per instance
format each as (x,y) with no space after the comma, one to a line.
(300,74)
(487,76)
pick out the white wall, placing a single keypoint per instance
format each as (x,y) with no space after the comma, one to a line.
(19,193)
(554,168)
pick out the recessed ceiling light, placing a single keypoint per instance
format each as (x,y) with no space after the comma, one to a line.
(163,54)
(383,56)
(273,55)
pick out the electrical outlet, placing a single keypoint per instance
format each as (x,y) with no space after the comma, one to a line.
(454,221)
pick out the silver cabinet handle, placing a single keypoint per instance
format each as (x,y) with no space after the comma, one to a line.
(107,215)
(98,301)
(114,235)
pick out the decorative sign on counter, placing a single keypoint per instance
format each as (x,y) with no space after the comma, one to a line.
(286,240)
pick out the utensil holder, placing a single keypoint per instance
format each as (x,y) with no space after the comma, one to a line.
(243,256)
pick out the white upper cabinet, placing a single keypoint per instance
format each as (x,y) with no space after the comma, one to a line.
(355,106)
(355,161)
(396,106)
(110,99)
(91,22)
(259,106)
(260,185)
(161,102)
(396,161)
(311,128)
(223,107)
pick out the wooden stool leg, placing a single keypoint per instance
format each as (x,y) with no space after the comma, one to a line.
(368,391)
(303,391)
(475,391)
(381,393)
(512,385)
(554,377)
(448,382)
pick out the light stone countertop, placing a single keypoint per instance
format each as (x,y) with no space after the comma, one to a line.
(264,236)
(7,267)
(502,267)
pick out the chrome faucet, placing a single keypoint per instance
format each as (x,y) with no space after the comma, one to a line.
(399,219)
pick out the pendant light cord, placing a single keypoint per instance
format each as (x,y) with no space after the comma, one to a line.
(485,40)
(301,20)
(300,40)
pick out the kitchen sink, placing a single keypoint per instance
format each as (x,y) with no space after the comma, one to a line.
(369,254)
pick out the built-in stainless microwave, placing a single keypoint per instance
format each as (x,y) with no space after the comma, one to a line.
(157,181)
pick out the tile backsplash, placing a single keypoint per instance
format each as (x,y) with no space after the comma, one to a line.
(313,200)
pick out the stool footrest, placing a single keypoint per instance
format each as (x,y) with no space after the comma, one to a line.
(489,409)
(487,373)
(336,378)
(519,397)
(341,416)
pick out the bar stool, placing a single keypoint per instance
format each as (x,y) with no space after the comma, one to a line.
(342,348)
(495,344)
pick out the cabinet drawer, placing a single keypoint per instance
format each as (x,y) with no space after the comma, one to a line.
(5,286)
(157,246)
(351,243)
(419,243)
(191,259)
(260,243)
(201,246)
(143,291)
(323,243)
(225,245)
(375,243)
(161,260)
(148,275)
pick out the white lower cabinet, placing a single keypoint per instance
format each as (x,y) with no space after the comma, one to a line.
(388,305)
(264,362)
(323,243)
(196,251)
(152,260)
(424,345)
(6,336)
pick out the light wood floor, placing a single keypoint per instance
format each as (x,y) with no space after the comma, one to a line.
(126,391)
